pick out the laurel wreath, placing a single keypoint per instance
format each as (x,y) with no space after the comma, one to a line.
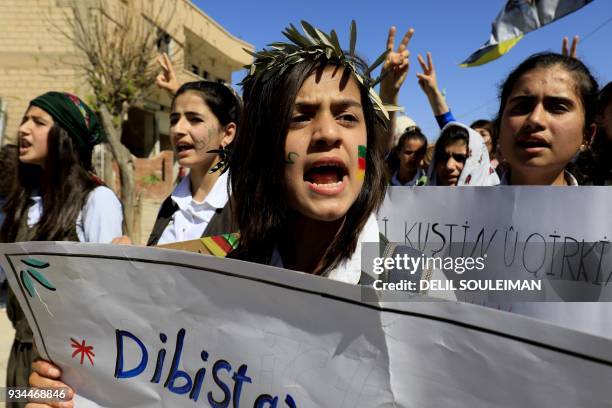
(316,45)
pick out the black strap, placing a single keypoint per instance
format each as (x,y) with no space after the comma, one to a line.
(167,209)
(220,223)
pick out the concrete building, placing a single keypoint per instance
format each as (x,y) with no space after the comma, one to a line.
(36,57)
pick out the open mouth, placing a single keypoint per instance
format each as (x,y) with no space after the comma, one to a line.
(24,146)
(326,175)
(183,147)
(531,143)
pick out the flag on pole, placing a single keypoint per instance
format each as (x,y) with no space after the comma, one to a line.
(517,18)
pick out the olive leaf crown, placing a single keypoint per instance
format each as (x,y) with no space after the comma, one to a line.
(316,45)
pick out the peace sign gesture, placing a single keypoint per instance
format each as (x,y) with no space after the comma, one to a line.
(570,52)
(429,84)
(167,79)
(395,67)
(427,80)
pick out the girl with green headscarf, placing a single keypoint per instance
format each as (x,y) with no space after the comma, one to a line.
(55,197)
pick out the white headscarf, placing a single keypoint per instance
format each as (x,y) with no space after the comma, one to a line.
(477,170)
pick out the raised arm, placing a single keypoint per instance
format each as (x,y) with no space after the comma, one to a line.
(167,78)
(428,82)
(395,70)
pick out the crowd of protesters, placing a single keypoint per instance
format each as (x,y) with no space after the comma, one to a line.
(305,178)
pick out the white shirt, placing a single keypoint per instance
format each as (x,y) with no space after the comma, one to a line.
(192,217)
(395,180)
(99,221)
(349,270)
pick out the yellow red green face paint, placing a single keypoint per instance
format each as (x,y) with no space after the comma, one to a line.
(361,157)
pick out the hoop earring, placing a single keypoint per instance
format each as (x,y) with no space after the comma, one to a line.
(224,156)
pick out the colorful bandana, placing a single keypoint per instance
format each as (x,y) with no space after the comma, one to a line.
(74,116)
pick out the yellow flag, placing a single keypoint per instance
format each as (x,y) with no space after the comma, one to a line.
(517,18)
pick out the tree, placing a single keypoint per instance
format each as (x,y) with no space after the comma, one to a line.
(118,43)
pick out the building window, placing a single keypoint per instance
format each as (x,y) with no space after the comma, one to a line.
(205,74)
(195,69)
(139,132)
(163,41)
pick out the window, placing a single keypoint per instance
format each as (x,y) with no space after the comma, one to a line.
(163,41)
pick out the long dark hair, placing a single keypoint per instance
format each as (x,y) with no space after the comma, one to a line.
(8,168)
(594,164)
(63,184)
(257,168)
(602,143)
(411,132)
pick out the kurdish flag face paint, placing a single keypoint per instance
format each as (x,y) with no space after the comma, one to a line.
(361,156)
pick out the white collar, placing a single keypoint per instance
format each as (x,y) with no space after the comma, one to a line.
(395,178)
(216,198)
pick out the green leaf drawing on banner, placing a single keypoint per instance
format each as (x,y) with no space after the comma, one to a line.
(27,283)
(41,279)
(36,263)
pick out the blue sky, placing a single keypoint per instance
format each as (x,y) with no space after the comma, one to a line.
(450,29)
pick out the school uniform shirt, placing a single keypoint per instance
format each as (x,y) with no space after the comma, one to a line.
(349,270)
(99,221)
(192,217)
(417,176)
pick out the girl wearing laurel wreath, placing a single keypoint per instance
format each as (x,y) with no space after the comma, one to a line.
(310,171)
(55,197)
(308,162)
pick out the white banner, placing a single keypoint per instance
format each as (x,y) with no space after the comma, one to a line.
(556,236)
(133,326)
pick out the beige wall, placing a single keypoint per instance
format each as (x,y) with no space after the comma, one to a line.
(35,57)
(31,55)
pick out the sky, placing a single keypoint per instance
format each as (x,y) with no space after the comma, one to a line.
(450,29)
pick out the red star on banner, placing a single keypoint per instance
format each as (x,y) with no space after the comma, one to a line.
(83,350)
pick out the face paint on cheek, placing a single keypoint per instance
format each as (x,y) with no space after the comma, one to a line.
(199,144)
(361,157)
(202,143)
(290,157)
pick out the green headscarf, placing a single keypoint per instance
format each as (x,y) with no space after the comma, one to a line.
(73,115)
